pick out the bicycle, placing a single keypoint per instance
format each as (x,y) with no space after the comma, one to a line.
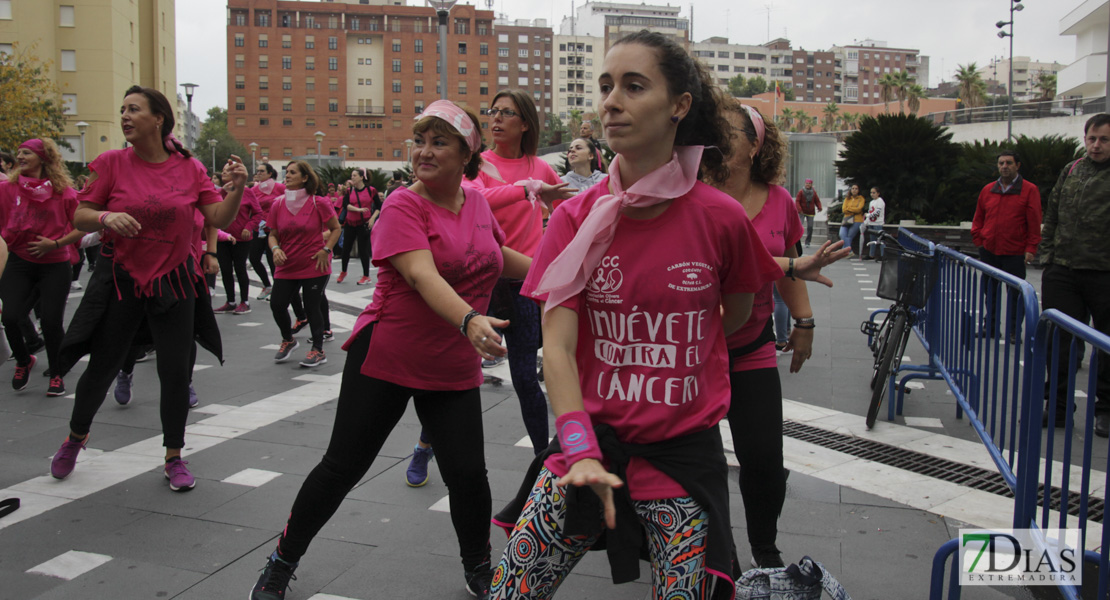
(907,277)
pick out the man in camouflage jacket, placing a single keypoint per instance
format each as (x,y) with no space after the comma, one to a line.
(1075,250)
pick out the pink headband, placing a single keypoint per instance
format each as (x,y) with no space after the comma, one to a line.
(36,146)
(757,122)
(457,118)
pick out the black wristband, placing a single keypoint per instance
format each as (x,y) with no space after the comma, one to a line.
(797,326)
(790,269)
(466,321)
(213,255)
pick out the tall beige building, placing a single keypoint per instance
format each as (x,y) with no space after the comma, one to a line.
(98,48)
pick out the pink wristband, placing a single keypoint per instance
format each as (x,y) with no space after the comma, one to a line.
(576,436)
(103,215)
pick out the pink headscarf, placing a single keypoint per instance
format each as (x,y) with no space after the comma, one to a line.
(36,146)
(760,126)
(567,275)
(455,117)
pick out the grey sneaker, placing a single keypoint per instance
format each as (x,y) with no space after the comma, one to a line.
(315,358)
(287,347)
(193,400)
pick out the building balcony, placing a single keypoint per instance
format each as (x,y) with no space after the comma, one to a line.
(355,111)
(1084,77)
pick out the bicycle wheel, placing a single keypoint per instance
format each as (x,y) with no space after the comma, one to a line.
(878,346)
(893,347)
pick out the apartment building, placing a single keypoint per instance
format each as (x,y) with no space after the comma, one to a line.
(98,48)
(1026,74)
(727,60)
(1085,76)
(577,62)
(356,72)
(612,21)
(867,61)
(524,61)
(816,76)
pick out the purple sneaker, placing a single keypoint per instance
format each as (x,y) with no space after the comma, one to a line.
(193,400)
(181,480)
(242,309)
(66,457)
(226,308)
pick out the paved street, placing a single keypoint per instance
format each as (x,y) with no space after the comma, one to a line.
(114,530)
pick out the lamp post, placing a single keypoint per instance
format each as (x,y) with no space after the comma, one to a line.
(443,8)
(343,155)
(319,140)
(189,89)
(213,143)
(1015,6)
(254,163)
(408,148)
(83,127)
(190,118)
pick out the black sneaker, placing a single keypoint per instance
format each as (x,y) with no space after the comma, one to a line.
(23,374)
(766,557)
(479,580)
(274,581)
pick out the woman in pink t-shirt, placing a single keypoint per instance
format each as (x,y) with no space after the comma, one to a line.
(303,257)
(755,412)
(37,202)
(266,189)
(147,195)
(235,251)
(633,274)
(360,201)
(439,252)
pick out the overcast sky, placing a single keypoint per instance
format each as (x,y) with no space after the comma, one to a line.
(950,32)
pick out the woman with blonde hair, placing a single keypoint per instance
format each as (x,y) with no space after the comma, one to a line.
(37,204)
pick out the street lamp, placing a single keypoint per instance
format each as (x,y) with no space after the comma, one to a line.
(189,89)
(343,153)
(408,147)
(319,140)
(1015,6)
(254,164)
(83,127)
(213,143)
(442,7)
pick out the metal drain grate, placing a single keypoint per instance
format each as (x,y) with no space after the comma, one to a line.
(946,470)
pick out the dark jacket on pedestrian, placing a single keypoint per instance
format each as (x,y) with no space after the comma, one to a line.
(1008,223)
(808,206)
(1077,218)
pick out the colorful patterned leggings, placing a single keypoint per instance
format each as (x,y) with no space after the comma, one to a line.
(538,556)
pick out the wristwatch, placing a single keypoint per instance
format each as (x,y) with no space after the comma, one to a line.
(805,323)
(329,251)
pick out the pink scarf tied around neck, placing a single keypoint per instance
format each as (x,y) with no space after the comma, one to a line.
(567,275)
(39,190)
(295,199)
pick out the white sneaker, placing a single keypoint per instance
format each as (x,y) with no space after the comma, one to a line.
(75,286)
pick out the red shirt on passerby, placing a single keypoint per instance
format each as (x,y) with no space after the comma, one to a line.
(1008,222)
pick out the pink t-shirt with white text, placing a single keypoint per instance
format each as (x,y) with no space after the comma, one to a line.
(23,220)
(521,220)
(162,197)
(412,345)
(301,236)
(651,353)
(779,228)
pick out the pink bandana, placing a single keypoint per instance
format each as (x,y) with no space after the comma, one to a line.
(38,190)
(267,186)
(295,199)
(760,126)
(567,275)
(455,117)
(36,146)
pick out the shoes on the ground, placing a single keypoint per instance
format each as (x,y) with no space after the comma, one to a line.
(123,388)
(780,348)
(193,400)
(145,356)
(180,478)
(242,309)
(274,580)
(364,280)
(264,294)
(226,308)
(287,347)
(328,336)
(299,325)
(539,368)
(23,374)
(1102,424)
(479,580)
(417,473)
(342,276)
(493,362)
(766,557)
(75,286)
(57,387)
(36,345)
(314,358)
(66,457)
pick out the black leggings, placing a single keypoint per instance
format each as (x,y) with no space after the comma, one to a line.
(233,257)
(755,417)
(261,245)
(171,325)
(368,411)
(361,233)
(22,284)
(522,338)
(312,290)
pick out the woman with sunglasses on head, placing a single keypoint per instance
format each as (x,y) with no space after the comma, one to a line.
(439,253)
(147,196)
(265,190)
(641,277)
(37,203)
(361,203)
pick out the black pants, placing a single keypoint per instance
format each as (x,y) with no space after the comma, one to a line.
(233,265)
(171,325)
(755,417)
(522,339)
(1014,265)
(260,246)
(361,234)
(22,284)
(1083,294)
(312,290)
(368,411)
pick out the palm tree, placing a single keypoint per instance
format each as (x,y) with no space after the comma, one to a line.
(914,95)
(808,122)
(786,119)
(972,88)
(832,116)
(1046,83)
(887,86)
(902,83)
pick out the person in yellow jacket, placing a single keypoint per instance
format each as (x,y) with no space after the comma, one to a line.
(853,209)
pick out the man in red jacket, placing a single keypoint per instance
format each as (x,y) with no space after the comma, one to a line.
(808,204)
(1007,223)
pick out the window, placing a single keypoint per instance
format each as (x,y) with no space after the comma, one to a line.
(483,49)
(240,103)
(483,69)
(262,18)
(462,68)
(263,103)
(522,67)
(286,41)
(522,53)
(287,122)
(503,52)
(396,153)
(418,107)
(69,104)
(397,106)
(263,40)
(240,82)
(240,21)
(263,61)
(240,61)
(502,67)
(333,123)
(503,38)
(263,122)
(483,89)
(69,60)
(396,45)
(333,105)
(287,62)
(722,68)
(396,65)
(396,86)
(263,82)
(462,47)
(502,81)
(240,40)
(418,67)
(333,63)
(418,86)
(310,63)
(333,43)
(853,55)
(309,42)
(417,27)
(310,84)
(462,88)
(287,152)
(309,123)
(287,106)
(240,122)
(418,46)
(310,105)
(522,81)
